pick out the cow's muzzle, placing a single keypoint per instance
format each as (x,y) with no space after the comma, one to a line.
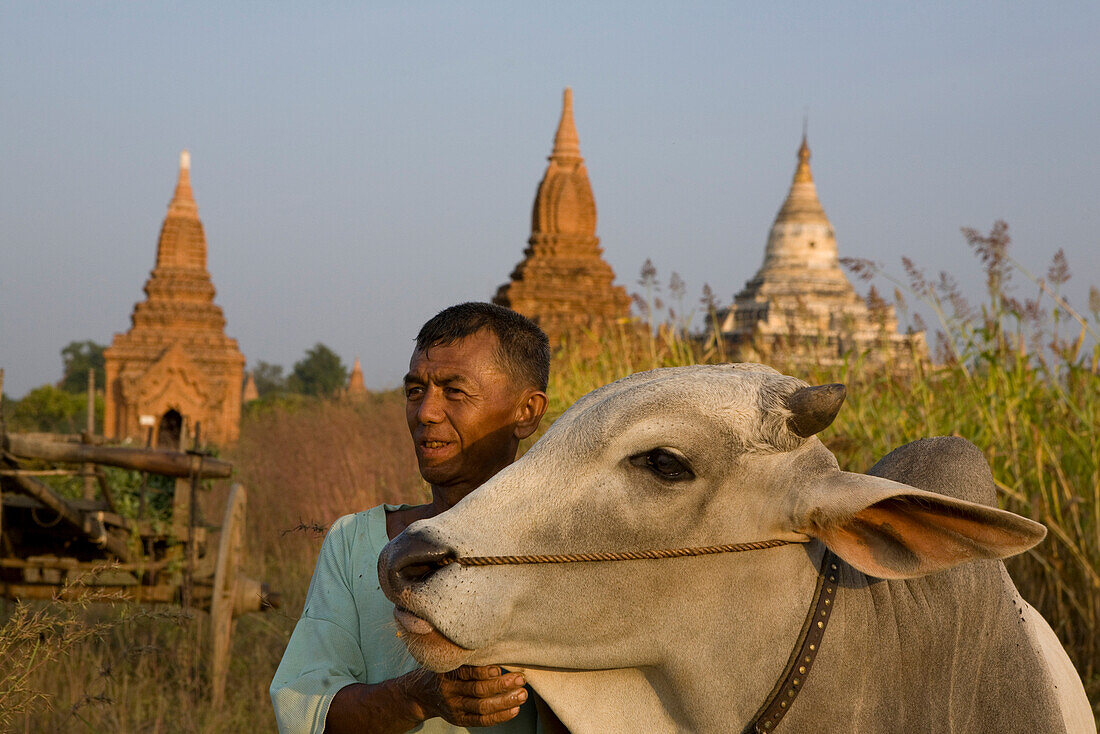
(410,559)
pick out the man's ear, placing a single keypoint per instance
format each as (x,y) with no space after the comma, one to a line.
(894,531)
(529,412)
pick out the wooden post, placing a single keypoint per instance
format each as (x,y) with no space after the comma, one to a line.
(144,478)
(91,402)
(181,498)
(89,469)
(192,522)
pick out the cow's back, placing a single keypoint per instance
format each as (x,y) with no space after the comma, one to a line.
(1022,678)
(948,465)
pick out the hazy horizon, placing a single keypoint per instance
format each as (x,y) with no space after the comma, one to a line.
(358,168)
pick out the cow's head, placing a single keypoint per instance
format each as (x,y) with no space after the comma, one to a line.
(670,458)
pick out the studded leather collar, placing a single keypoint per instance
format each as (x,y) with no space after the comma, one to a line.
(806,648)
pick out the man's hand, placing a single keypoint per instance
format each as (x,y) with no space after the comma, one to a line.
(469,695)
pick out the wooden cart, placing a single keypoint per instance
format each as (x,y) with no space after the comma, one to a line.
(51,544)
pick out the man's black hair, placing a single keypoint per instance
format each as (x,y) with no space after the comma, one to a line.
(523,351)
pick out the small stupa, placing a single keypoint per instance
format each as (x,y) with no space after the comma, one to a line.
(563,282)
(356,387)
(800,306)
(249,392)
(176,367)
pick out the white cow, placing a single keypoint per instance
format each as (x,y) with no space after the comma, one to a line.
(921,628)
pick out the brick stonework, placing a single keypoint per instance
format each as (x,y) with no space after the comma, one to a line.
(563,282)
(176,361)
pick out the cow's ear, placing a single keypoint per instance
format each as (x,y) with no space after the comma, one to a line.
(894,531)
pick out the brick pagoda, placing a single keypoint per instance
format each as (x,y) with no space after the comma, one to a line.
(176,367)
(356,388)
(563,282)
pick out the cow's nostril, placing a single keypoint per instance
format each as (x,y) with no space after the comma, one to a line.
(413,559)
(415,572)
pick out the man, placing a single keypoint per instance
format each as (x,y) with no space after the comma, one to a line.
(476,386)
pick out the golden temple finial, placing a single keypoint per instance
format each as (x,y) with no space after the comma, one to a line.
(802,204)
(802,174)
(566,143)
(183,200)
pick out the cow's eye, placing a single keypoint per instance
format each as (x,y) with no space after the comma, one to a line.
(664,464)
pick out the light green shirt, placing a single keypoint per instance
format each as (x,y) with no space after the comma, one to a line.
(346,634)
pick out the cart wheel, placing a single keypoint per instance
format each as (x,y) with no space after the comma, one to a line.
(226,575)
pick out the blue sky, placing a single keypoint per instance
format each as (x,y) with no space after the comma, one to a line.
(359,166)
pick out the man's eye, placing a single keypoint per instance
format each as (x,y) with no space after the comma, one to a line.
(664,464)
(413,392)
(453,391)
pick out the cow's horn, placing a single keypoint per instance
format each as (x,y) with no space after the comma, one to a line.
(814,408)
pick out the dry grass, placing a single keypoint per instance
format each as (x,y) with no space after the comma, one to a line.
(308,465)
(143,670)
(34,640)
(123,669)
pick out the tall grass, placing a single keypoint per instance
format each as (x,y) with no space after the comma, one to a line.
(38,638)
(120,668)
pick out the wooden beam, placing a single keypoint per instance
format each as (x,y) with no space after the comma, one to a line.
(154,461)
(159,594)
(74,518)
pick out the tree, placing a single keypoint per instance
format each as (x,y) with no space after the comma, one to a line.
(49,408)
(269,378)
(78,358)
(321,372)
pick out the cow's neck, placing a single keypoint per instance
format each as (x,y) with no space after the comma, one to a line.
(890,648)
(719,662)
(597,701)
(723,686)
(894,646)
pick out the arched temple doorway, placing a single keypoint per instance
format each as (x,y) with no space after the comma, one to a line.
(169,430)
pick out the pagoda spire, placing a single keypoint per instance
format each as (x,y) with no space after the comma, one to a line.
(567,145)
(564,204)
(803,174)
(182,241)
(802,204)
(183,199)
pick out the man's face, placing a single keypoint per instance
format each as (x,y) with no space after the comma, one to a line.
(462,409)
